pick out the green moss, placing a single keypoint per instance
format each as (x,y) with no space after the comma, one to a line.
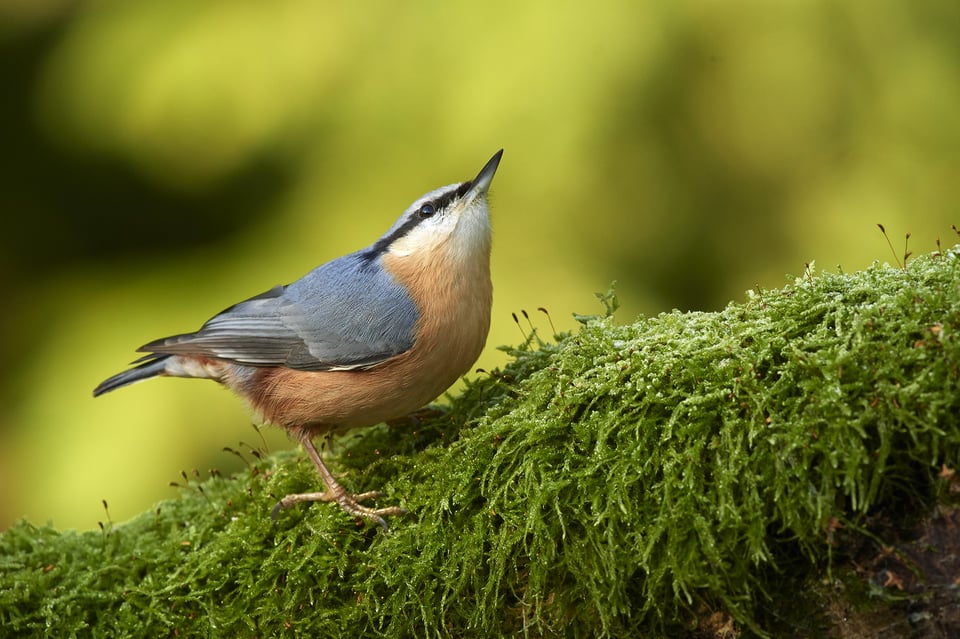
(614,482)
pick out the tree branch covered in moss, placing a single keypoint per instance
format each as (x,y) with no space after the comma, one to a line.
(612,482)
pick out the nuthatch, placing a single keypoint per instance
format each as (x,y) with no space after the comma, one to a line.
(368,337)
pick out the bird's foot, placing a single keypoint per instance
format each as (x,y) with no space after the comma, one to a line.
(349,503)
(335,492)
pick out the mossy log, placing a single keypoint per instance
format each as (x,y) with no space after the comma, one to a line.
(622,480)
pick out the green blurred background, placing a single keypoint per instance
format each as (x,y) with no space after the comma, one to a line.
(162,160)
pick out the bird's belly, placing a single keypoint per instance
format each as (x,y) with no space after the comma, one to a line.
(451,333)
(317,402)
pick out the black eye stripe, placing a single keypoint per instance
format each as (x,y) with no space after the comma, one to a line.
(428,209)
(437,204)
(449,197)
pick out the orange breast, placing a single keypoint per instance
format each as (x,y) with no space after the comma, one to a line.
(454,305)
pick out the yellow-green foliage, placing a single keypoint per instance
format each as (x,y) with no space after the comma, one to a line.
(607,483)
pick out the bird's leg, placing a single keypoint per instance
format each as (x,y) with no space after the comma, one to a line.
(335,492)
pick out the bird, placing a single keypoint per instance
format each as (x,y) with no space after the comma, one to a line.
(365,338)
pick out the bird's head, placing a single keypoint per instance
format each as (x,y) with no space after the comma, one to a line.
(453,217)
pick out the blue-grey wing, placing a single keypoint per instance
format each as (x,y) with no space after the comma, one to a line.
(346,314)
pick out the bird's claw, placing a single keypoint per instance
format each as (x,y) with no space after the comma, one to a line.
(349,503)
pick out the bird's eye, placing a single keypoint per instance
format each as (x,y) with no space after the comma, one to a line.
(426,210)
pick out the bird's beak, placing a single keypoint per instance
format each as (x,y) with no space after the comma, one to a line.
(481,183)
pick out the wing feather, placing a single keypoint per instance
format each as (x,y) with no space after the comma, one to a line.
(347,314)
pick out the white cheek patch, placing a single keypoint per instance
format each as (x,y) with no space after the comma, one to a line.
(428,235)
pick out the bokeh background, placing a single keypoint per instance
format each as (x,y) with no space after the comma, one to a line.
(163,159)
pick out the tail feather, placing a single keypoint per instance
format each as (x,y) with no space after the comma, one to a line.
(145,370)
